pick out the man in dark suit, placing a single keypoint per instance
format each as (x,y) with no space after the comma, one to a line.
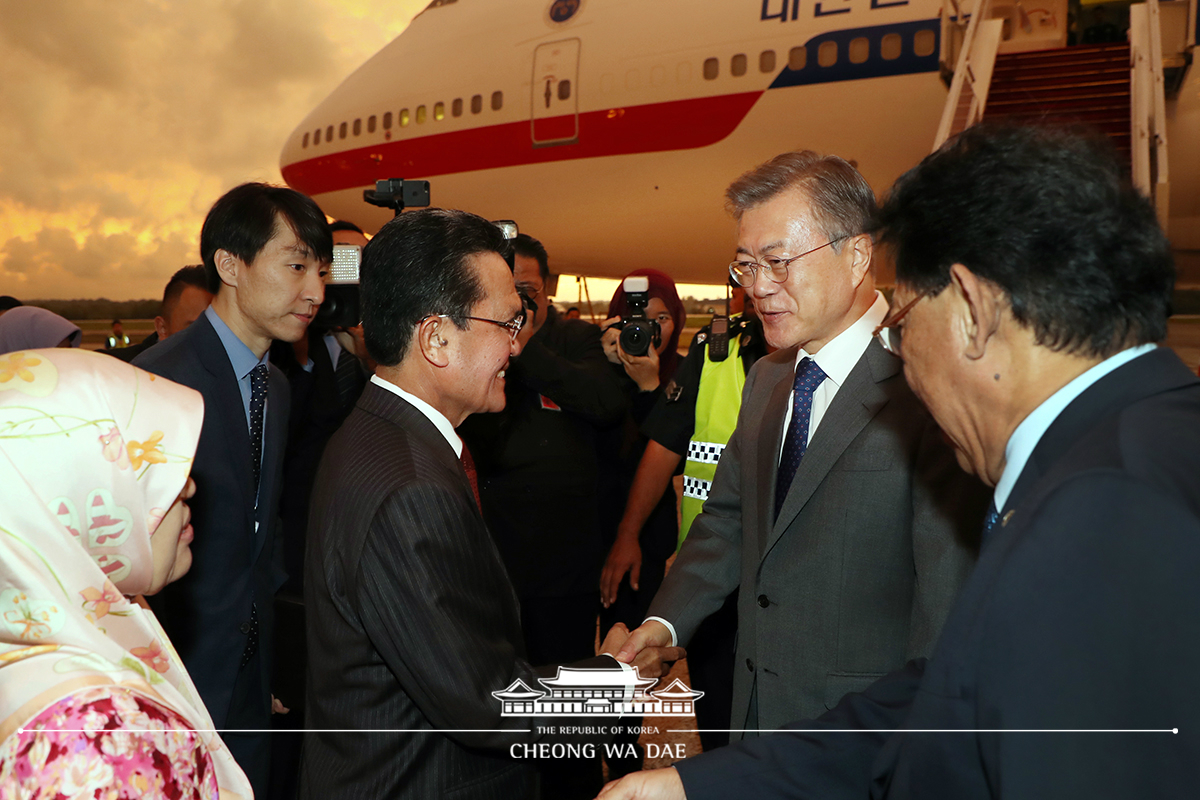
(266,250)
(412,620)
(184,299)
(1032,284)
(823,507)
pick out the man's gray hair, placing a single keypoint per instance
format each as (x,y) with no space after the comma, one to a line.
(842,201)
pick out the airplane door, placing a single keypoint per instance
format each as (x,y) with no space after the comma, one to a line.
(556,93)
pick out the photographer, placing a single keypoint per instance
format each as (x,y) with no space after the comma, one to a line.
(645,377)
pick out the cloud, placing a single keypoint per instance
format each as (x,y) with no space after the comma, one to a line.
(124,122)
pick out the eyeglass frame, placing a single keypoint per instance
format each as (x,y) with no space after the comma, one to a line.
(755,266)
(514,326)
(885,330)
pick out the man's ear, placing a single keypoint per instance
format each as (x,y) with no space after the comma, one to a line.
(862,250)
(229,267)
(160,327)
(979,307)
(430,339)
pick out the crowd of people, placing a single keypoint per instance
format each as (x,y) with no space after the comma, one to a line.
(942,546)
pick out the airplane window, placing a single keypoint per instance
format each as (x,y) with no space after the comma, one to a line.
(342,131)
(371,124)
(476,104)
(564,90)
(358,127)
(766,61)
(797,58)
(329,133)
(317,137)
(420,114)
(305,143)
(889,46)
(497,101)
(712,68)
(860,49)
(387,121)
(404,118)
(456,107)
(439,111)
(737,65)
(827,54)
(924,41)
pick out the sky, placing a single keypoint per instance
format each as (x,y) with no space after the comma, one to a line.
(122,122)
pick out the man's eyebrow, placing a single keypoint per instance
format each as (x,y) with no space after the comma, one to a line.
(772,246)
(299,249)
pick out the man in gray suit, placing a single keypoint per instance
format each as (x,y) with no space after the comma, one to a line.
(412,620)
(836,506)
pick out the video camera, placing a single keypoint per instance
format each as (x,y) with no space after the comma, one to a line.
(638,332)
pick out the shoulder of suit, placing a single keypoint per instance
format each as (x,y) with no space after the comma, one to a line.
(170,353)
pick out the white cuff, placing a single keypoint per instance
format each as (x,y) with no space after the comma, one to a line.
(670,627)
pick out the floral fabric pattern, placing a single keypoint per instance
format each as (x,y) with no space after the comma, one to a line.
(107,742)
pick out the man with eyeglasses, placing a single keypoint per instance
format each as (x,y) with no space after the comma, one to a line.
(412,620)
(1033,282)
(836,507)
(538,476)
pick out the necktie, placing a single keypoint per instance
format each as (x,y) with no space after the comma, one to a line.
(795,442)
(472,476)
(258,404)
(992,520)
(346,376)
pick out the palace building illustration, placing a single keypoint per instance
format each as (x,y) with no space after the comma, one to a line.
(596,693)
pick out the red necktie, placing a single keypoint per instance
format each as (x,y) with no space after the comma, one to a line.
(469,468)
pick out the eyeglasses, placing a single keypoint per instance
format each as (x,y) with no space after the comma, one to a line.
(776,268)
(888,333)
(514,325)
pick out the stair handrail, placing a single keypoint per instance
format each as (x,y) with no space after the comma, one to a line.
(1148,117)
(972,74)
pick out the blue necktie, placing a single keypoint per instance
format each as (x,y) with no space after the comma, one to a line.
(808,378)
(992,521)
(258,404)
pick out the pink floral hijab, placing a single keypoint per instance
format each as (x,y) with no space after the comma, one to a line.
(93,452)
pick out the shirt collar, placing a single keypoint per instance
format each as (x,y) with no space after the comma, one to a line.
(436,417)
(842,352)
(240,356)
(1027,435)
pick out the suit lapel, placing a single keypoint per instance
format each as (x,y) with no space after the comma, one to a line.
(227,408)
(274,442)
(856,403)
(770,440)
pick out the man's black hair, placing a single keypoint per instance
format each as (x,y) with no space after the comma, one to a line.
(526,245)
(192,275)
(116,322)
(244,220)
(343,225)
(419,265)
(1049,216)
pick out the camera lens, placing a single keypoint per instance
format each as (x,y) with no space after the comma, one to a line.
(635,338)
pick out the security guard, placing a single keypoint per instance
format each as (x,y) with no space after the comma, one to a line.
(695,417)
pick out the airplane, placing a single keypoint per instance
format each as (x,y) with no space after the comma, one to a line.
(609,129)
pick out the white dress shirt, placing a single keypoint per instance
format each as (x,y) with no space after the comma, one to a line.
(436,417)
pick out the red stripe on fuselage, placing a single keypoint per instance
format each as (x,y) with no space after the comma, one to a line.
(677,125)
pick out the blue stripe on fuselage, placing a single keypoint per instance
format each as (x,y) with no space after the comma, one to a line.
(875,66)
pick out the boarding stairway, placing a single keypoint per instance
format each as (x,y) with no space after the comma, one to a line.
(1086,84)
(1117,88)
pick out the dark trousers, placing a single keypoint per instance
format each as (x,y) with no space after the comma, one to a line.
(561,630)
(250,709)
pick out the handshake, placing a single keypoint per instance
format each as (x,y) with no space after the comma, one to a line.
(648,648)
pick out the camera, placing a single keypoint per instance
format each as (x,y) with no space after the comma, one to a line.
(638,333)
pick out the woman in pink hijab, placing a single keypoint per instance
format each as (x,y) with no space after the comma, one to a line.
(94,463)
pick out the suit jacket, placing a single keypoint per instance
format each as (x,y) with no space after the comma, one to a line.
(860,569)
(207,613)
(1083,613)
(412,621)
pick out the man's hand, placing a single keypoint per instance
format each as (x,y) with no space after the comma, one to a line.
(649,649)
(616,637)
(278,707)
(610,339)
(625,556)
(654,784)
